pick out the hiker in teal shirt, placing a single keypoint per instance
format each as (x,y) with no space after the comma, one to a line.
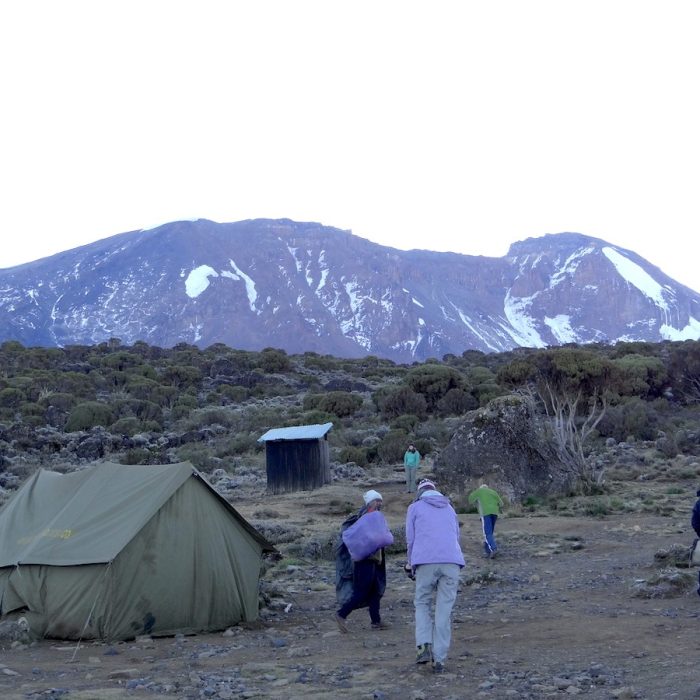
(411,460)
(489,504)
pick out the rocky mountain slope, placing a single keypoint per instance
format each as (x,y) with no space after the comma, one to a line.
(307,287)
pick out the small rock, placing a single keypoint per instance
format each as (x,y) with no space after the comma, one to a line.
(123,674)
(298,652)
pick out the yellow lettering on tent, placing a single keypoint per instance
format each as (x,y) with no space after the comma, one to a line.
(49,534)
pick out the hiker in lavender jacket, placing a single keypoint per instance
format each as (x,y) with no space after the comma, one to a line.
(435,558)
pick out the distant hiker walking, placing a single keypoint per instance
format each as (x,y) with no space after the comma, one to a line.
(411,460)
(435,558)
(360,578)
(489,504)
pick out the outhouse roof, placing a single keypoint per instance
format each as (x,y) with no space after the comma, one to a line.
(297,432)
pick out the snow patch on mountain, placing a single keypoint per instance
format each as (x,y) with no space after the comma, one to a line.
(412,344)
(198,280)
(356,327)
(249,285)
(196,330)
(472,326)
(351,289)
(293,253)
(324,271)
(690,332)
(387,305)
(522,325)
(569,267)
(561,328)
(638,277)
(115,288)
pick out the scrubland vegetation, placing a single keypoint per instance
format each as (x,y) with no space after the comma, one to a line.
(211,405)
(630,391)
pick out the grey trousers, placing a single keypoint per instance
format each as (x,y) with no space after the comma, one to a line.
(410,478)
(438,583)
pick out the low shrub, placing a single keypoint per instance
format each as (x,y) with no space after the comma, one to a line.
(127,426)
(391,449)
(405,422)
(400,401)
(200,456)
(339,403)
(89,414)
(211,416)
(233,394)
(59,400)
(239,444)
(358,455)
(136,455)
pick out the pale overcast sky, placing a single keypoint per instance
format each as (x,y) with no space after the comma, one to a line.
(448,125)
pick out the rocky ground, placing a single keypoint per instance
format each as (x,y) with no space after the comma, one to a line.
(573,606)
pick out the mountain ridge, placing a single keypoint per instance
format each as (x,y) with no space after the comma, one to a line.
(305,286)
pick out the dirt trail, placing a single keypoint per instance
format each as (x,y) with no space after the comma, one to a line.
(553,616)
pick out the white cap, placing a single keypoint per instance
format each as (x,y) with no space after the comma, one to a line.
(372,495)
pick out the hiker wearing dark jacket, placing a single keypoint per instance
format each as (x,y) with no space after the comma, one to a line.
(695,519)
(695,522)
(361,583)
(435,558)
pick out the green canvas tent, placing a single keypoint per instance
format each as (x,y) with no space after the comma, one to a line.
(114,551)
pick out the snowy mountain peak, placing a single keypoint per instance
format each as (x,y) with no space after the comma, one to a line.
(308,287)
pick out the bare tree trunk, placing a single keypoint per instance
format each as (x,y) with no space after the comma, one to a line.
(569,431)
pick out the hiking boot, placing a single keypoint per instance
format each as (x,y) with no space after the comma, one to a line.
(424,654)
(381,625)
(492,555)
(342,626)
(438,667)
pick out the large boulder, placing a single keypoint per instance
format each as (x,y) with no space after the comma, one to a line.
(504,445)
(14,632)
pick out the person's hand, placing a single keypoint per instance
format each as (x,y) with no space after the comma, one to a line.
(410,572)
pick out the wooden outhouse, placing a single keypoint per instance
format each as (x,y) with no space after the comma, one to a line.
(297,458)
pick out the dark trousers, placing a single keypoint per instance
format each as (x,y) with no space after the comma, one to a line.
(365,590)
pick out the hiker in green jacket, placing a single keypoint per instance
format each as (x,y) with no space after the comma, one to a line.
(489,504)
(411,460)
